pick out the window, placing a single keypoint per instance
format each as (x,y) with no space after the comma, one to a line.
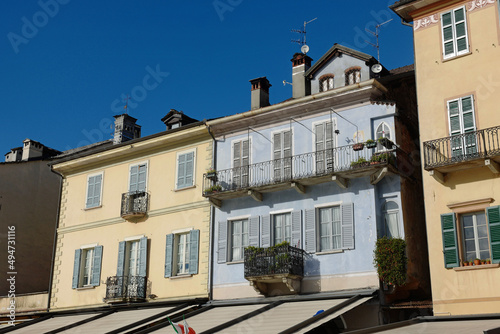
(241,160)
(87,267)
(324,144)
(282,224)
(132,257)
(329,228)
(279,227)
(282,154)
(383,131)
(94,191)
(181,253)
(234,235)
(352,76)
(462,126)
(138,177)
(326,82)
(239,239)
(185,170)
(454,29)
(391,219)
(473,235)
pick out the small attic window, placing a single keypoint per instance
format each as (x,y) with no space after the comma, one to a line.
(175,125)
(326,82)
(352,75)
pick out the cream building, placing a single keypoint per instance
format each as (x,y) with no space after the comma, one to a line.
(133,224)
(457,47)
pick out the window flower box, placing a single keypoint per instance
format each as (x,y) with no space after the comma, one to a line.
(358,146)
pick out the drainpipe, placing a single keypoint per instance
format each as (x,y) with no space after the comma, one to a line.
(55,236)
(406,23)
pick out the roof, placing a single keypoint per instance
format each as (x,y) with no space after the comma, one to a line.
(404,7)
(331,53)
(402,69)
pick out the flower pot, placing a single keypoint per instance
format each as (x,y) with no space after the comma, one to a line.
(371,145)
(211,175)
(387,143)
(358,147)
(477,262)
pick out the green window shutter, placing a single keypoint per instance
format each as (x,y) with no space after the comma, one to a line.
(169,255)
(253,231)
(194,240)
(143,256)
(222,242)
(121,259)
(494,227)
(96,266)
(450,244)
(296,229)
(347,226)
(76,268)
(310,230)
(265,238)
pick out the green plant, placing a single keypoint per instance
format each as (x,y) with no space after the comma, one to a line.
(211,170)
(370,141)
(358,162)
(215,187)
(390,260)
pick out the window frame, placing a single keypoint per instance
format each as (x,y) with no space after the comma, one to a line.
(324,160)
(193,176)
(462,239)
(282,167)
(248,176)
(454,39)
(274,215)
(356,75)
(318,229)
(386,212)
(146,163)
(186,252)
(380,147)
(230,239)
(329,78)
(79,271)
(171,253)
(100,190)
(125,269)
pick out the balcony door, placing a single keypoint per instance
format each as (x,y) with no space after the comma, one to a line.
(137,188)
(241,161)
(462,127)
(324,142)
(282,155)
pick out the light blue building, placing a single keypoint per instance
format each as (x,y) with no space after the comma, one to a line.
(300,171)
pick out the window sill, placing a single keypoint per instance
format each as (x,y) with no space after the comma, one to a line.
(336,251)
(481,266)
(444,60)
(181,276)
(87,287)
(185,188)
(92,208)
(236,262)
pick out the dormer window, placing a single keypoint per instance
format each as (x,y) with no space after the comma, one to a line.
(326,82)
(352,75)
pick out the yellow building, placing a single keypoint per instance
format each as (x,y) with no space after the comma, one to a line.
(133,224)
(457,48)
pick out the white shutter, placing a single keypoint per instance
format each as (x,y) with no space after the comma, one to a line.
(296,229)
(265,239)
(222,242)
(310,230)
(347,226)
(253,231)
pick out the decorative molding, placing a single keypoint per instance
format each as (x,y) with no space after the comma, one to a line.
(477,4)
(469,206)
(426,21)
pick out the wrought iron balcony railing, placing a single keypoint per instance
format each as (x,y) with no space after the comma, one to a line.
(463,147)
(313,164)
(274,261)
(126,288)
(134,204)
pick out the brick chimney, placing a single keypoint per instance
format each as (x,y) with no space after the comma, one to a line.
(301,84)
(125,128)
(260,93)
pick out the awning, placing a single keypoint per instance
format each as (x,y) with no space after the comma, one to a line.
(50,324)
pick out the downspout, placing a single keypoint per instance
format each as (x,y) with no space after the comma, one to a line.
(55,237)
(212,223)
(406,23)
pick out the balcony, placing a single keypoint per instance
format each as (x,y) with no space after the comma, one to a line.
(468,150)
(121,289)
(281,265)
(338,164)
(134,205)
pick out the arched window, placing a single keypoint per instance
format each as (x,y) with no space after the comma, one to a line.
(352,75)
(326,82)
(391,219)
(383,131)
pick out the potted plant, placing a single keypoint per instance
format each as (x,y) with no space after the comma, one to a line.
(213,189)
(488,261)
(386,142)
(358,146)
(465,263)
(477,261)
(370,143)
(361,162)
(390,260)
(211,174)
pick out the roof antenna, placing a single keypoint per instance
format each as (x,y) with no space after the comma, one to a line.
(376,33)
(126,104)
(302,40)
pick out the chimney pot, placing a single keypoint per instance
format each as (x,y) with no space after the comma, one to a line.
(301,85)
(260,93)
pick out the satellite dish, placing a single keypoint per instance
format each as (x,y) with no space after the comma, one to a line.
(304,49)
(377,68)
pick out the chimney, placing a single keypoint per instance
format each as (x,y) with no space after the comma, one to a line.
(260,93)
(31,150)
(125,129)
(301,84)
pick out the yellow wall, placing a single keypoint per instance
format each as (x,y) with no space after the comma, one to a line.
(438,80)
(169,210)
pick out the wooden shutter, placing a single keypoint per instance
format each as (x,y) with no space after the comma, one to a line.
(194,240)
(169,255)
(237,163)
(347,225)
(143,256)
(287,153)
(277,156)
(76,268)
(310,230)
(494,227)
(96,266)
(141,183)
(121,258)
(253,231)
(265,238)
(296,229)
(134,177)
(222,242)
(450,244)
(94,191)
(185,169)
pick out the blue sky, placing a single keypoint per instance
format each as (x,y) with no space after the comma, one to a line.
(66,64)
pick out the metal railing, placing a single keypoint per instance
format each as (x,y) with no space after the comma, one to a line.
(463,147)
(126,288)
(134,203)
(274,260)
(312,164)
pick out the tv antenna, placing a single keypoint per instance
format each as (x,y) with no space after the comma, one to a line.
(302,40)
(376,33)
